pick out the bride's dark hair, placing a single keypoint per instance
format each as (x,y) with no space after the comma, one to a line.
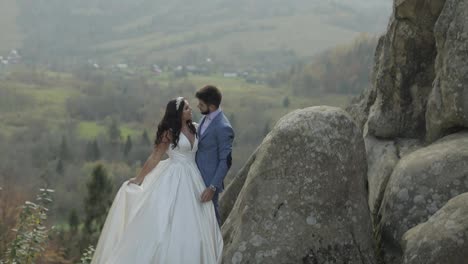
(172,123)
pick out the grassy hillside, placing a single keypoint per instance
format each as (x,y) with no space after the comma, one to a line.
(46,101)
(343,69)
(54,99)
(304,34)
(57,127)
(247,33)
(36,103)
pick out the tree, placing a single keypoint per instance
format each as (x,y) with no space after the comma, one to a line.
(96,152)
(64,151)
(266,129)
(128,146)
(92,151)
(73,221)
(97,204)
(286,102)
(68,239)
(60,169)
(114,132)
(89,151)
(145,139)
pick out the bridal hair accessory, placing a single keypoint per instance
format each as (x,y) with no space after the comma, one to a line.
(178,101)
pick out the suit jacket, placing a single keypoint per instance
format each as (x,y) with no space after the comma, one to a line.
(214,155)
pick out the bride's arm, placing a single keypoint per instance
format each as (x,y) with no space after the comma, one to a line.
(153,160)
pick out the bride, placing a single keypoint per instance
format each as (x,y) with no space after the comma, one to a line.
(158,216)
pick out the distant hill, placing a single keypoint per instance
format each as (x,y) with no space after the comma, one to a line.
(10,36)
(236,33)
(345,69)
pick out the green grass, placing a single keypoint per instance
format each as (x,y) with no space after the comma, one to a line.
(90,130)
(49,102)
(238,88)
(127,131)
(54,92)
(233,85)
(244,100)
(53,95)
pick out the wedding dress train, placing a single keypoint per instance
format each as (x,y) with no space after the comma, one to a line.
(162,221)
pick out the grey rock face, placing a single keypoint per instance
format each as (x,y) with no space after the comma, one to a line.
(421,183)
(447,108)
(304,198)
(382,157)
(230,194)
(420,77)
(404,70)
(443,238)
(419,93)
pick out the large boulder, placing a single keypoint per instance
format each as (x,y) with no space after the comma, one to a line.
(443,238)
(447,108)
(421,183)
(419,92)
(360,105)
(382,156)
(229,196)
(420,77)
(304,198)
(404,70)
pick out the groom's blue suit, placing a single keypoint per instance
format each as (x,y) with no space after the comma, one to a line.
(214,154)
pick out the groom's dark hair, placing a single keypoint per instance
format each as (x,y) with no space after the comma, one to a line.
(210,95)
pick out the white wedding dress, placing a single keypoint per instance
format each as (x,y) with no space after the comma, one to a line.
(162,221)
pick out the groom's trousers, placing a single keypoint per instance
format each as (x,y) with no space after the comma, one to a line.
(216,207)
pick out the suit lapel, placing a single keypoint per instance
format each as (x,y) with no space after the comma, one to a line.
(200,126)
(211,125)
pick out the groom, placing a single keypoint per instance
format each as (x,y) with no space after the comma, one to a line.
(215,136)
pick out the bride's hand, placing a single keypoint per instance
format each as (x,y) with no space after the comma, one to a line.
(135,180)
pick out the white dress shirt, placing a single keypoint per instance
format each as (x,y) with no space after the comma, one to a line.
(208,119)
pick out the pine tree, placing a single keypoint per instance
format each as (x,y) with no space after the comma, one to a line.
(96,152)
(286,102)
(114,132)
(266,129)
(60,168)
(115,147)
(88,151)
(128,146)
(145,141)
(73,221)
(97,204)
(64,151)
(92,151)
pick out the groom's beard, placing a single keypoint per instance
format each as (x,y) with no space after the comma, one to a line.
(204,112)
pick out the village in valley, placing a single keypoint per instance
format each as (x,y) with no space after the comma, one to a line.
(208,67)
(12,57)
